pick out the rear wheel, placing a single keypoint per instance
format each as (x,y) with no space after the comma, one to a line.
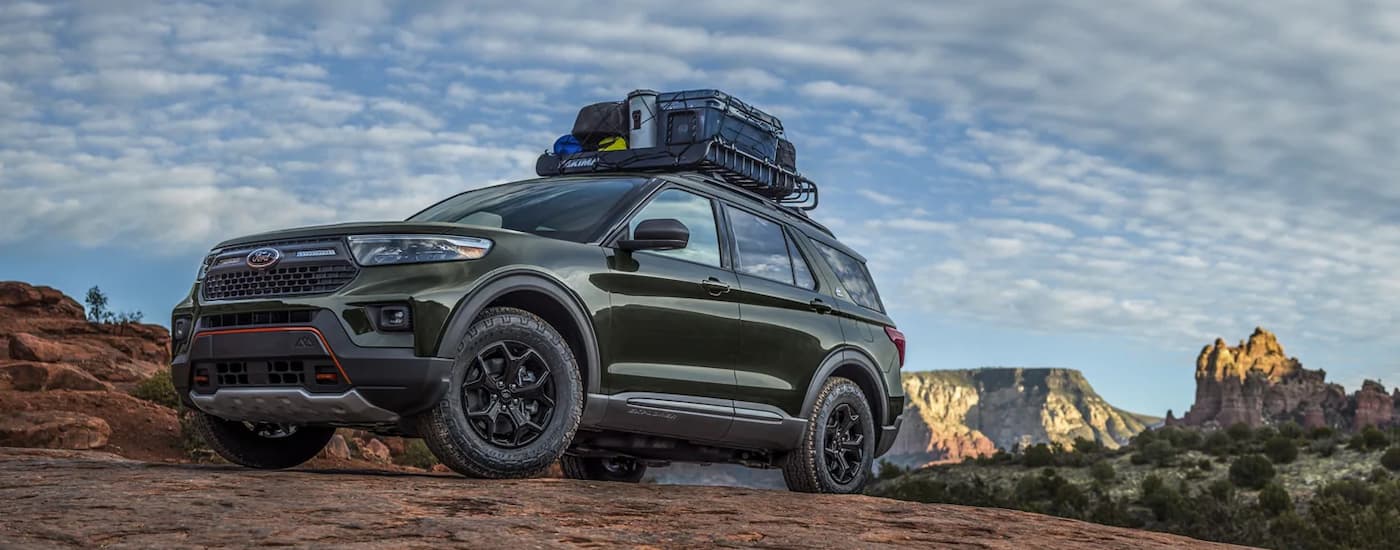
(838,446)
(515,402)
(620,469)
(263,446)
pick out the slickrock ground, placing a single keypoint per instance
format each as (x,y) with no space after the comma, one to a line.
(59,498)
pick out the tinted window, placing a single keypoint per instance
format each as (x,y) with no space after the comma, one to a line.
(801,273)
(761,247)
(853,275)
(698,215)
(572,209)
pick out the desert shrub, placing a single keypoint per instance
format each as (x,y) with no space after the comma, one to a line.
(1103,472)
(1265,433)
(1251,471)
(1069,501)
(1038,456)
(1323,447)
(1322,432)
(1218,443)
(1087,446)
(1374,439)
(890,470)
(1378,475)
(1274,499)
(1240,431)
(1281,450)
(1290,430)
(1205,465)
(1391,459)
(1221,490)
(1167,503)
(1189,439)
(191,442)
(1151,484)
(1107,511)
(1159,452)
(417,455)
(158,389)
(1357,443)
(1349,490)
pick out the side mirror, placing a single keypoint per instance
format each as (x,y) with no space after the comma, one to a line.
(662,234)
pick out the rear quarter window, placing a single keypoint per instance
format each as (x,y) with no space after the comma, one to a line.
(853,275)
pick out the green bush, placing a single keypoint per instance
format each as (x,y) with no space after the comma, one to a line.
(1321,432)
(1151,484)
(1357,443)
(1038,456)
(1391,459)
(1251,471)
(1159,452)
(191,442)
(158,389)
(1281,450)
(1274,499)
(1374,438)
(1205,464)
(1290,430)
(1103,472)
(417,455)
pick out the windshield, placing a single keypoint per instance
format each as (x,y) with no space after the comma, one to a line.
(572,209)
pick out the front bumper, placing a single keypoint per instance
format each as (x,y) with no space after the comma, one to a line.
(274,373)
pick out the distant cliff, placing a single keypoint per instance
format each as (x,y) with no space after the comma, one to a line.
(1256,383)
(955,414)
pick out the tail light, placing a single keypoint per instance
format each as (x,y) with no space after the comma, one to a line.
(897,338)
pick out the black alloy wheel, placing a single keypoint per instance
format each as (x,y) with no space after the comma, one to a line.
(844,444)
(508,394)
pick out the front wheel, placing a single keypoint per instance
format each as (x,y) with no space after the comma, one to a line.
(838,446)
(262,446)
(619,469)
(515,401)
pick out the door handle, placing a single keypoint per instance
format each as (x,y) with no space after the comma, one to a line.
(819,306)
(714,286)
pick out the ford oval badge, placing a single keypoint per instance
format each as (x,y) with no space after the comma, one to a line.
(263,258)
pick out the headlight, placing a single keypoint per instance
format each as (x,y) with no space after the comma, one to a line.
(204,267)
(370,250)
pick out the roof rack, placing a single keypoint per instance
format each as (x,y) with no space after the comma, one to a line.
(714,158)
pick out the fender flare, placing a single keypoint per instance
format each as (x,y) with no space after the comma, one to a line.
(500,284)
(849,356)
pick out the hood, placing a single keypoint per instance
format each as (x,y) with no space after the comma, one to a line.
(368,228)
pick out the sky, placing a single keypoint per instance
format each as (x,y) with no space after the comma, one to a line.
(1100,186)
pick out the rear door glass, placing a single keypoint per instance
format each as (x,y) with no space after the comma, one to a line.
(761,247)
(855,278)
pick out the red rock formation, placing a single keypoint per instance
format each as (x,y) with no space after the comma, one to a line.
(1257,383)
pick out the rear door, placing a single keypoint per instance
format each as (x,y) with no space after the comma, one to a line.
(788,326)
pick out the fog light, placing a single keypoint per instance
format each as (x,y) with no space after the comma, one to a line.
(395,318)
(180,328)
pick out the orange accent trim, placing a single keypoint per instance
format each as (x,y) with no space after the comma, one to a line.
(312,330)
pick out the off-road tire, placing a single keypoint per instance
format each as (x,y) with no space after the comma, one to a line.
(596,469)
(805,468)
(445,428)
(240,445)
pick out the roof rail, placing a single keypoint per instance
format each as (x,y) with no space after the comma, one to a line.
(798,213)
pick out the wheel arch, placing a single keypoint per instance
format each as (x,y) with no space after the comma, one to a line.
(538,293)
(853,364)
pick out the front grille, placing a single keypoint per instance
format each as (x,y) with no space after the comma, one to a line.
(256,319)
(297,280)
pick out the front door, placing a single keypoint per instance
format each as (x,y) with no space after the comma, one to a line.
(674,325)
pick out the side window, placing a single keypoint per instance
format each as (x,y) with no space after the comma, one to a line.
(760,246)
(853,275)
(698,215)
(802,274)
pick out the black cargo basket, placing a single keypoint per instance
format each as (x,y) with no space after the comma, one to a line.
(714,158)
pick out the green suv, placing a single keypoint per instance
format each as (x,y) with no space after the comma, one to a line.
(609,322)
